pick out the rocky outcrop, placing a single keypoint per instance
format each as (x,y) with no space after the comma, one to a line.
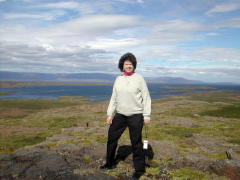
(228,168)
(233,153)
(63,157)
(41,162)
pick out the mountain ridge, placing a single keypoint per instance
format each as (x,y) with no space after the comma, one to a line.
(88,77)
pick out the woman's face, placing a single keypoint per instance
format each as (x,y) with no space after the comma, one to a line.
(128,66)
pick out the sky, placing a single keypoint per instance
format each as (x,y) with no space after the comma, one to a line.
(197,40)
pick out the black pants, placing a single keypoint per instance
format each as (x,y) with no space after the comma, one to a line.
(135,125)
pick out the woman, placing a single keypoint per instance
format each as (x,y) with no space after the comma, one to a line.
(132,103)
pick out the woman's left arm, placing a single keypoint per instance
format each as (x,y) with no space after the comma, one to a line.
(146,101)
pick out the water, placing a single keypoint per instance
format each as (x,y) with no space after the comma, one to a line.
(98,92)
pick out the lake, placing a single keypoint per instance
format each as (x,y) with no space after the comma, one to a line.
(103,92)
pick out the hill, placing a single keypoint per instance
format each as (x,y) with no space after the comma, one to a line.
(192,135)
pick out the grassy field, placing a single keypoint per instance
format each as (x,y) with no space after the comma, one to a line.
(27,122)
(180,121)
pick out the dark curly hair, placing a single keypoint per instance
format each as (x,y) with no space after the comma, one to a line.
(130,57)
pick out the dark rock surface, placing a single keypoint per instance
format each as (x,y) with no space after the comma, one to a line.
(228,168)
(42,162)
(233,153)
(58,159)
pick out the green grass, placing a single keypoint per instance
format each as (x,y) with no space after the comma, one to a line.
(215,96)
(53,125)
(11,143)
(11,122)
(235,140)
(187,173)
(167,131)
(101,139)
(171,132)
(182,112)
(113,173)
(17,112)
(153,171)
(87,159)
(36,104)
(54,122)
(220,156)
(181,132)
(90,138)
(7,93)
(231,111)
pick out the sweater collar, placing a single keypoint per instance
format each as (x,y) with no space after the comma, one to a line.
(128,73)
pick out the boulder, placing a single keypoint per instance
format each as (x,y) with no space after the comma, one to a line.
(228,168)
(42,162)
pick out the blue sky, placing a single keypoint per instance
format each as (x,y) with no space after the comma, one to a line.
(197,40)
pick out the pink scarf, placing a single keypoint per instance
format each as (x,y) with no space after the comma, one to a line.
(128,73)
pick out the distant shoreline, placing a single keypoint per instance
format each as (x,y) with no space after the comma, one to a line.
(188,87)
(93,91)
(15,84)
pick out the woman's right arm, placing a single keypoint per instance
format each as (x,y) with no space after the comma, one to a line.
(113,102)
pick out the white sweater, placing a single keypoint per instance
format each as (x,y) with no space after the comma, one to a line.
(130,96)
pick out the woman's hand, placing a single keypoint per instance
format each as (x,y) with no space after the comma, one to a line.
(146,121)
(109,120)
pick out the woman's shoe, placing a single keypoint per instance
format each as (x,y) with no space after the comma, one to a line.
(107,167)
(137,175)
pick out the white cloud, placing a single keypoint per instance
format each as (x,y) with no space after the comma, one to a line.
(81,35)
(82,30)
(130,1)
(206,74)
(2,0)
(178,25)
(83,8)
(222,8)
(114,44)
(230,23)
(158,53)
(171,56)
(74,32)
(173,31)
(53,58)
(216,55)
(45,16)
(140,1)
(212,34)
(61,5)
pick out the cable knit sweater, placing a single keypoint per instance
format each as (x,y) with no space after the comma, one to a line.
(130,96)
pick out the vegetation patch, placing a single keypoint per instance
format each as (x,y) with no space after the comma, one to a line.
(153,171)
(156,133)
(220,156)
(227,96)
(187,173)
(101,139)
(176,121)
(181,132)
(54,122)
(36,104)
(90,138)
(235,140)
(7,93)
(113,173)
(10,143)
(188,87)
(87,159)
(231,111)
(10,122)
